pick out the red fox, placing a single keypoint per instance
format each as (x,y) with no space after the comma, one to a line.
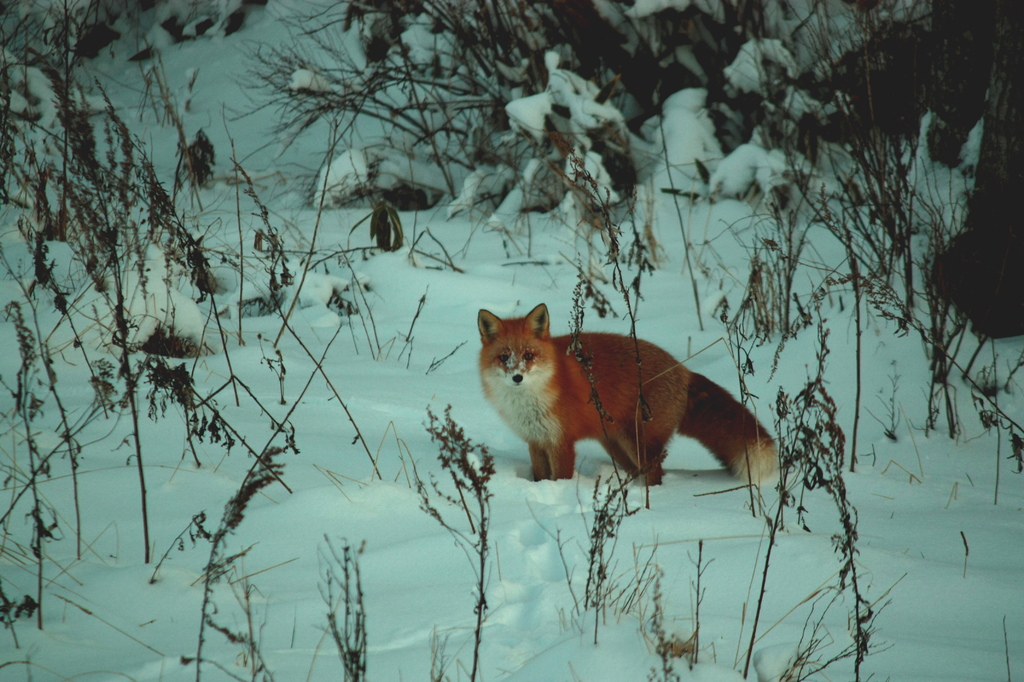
(551,400)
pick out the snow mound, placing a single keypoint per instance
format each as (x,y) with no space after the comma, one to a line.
(746,166)
(760,62)
(689,136)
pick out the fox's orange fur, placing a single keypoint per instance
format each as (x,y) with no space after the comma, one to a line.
(546,395)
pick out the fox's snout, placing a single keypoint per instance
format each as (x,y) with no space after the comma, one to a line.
(517,378)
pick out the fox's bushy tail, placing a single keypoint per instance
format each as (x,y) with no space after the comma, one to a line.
(730,431)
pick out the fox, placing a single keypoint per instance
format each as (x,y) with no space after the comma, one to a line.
(553,394)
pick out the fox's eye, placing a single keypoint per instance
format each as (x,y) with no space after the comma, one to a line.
(527,356)
(503,357)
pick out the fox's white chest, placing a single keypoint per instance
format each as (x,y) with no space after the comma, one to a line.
(526,406)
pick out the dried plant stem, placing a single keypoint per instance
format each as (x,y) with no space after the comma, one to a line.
(39,534)
(241,243)
(312,240)
(470,468)
(686,237)
(131,380)
(108,624)
(1006,648)
(773,525)
(611,507)
(855,279)
(337,396)
(699,598)
(341,571)
(220,562)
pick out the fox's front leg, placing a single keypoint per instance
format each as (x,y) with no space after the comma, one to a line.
(563,460)
(541,462)
(553,462)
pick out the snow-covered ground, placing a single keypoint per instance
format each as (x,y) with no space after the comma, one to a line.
(939,561)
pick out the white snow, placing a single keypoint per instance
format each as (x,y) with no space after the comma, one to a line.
(749,71)
(567,89)
(746,166)
(347,174)
(308,79)
(647,8)
(774,663)
(688,137)
(527,113)
(154,300)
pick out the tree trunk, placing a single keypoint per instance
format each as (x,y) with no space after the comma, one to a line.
(982,270)
(1000,177)
(962,32)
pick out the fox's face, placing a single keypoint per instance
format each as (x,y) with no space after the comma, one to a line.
(514,361)
(516,352)
(517,367)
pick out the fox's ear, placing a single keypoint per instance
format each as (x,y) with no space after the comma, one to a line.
(539,321)
(489,325)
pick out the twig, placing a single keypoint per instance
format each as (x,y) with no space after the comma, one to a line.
(312,241)
(1006,647)
(320,369)
(408,335)
(263,570)
(108,624)
(967,551)
(435,363)
(686,239)
(910,430)
(913,478)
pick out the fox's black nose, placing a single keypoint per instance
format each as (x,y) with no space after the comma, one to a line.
(518,378)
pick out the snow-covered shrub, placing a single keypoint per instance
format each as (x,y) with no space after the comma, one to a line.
(64,31)
(107,244)
(366,175)
(579,138)
(746,168)
(457,101)
(416,108)
(110,277)
(688,141)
